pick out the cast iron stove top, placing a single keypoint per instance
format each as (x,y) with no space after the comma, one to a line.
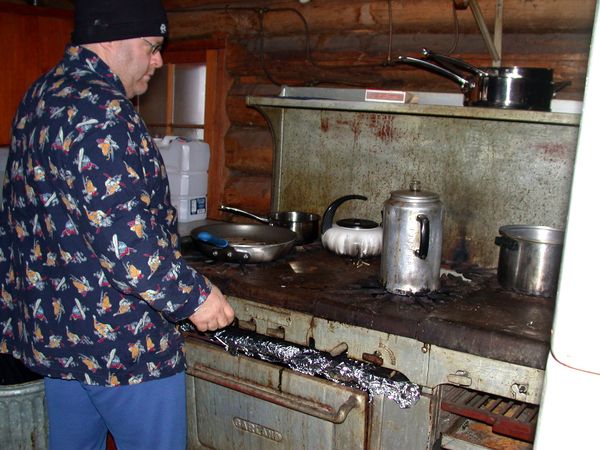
(470,312)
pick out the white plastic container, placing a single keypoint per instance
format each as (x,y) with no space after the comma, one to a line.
(3,158)
(187,168)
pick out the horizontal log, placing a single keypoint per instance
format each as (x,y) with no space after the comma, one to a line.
(252,193)
(249,150)
(240,114)
(342,69)
(338,50)
(187,18)
(250,86)
(379,44)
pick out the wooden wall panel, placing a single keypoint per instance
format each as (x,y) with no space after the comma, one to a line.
(32,40)
(408,17)
(353,43)
(250,192)
(350,46)
(249,150)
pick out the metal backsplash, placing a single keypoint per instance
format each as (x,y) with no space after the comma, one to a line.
(491,167)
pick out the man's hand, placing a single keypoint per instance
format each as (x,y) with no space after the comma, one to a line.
(214,313)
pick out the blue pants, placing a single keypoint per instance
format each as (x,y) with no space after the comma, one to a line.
(149,415)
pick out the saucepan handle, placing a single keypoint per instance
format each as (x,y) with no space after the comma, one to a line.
(506,242)
(559,85)
(443,59)
(231,209)
(465,85)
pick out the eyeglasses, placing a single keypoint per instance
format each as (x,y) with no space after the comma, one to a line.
(154,48)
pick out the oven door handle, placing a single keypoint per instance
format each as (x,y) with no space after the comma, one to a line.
(300,404)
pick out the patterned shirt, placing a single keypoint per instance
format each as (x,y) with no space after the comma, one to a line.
(92,281)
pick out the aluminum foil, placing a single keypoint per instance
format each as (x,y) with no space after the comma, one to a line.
(340,369)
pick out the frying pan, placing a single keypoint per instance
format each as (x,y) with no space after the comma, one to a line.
(245,243)
(514,87)
(304,224)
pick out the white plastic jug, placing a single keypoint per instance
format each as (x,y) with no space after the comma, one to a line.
(3,158)
(187,168)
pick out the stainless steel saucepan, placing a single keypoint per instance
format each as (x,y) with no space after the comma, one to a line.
(511,87)
(529,259)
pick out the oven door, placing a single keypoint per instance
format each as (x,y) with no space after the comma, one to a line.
(237,402)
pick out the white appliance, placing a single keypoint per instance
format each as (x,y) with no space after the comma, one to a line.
(569,408)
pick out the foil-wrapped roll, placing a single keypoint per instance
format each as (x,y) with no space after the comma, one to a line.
(339,369)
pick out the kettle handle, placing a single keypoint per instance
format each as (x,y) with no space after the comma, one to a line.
(327,221)
(423,237)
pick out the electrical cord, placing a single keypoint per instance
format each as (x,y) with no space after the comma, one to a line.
(262,12)
(456,30)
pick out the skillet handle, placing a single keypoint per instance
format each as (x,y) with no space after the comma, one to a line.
(213,240)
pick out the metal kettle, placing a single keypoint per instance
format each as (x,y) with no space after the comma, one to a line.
(359,238)
(412,241)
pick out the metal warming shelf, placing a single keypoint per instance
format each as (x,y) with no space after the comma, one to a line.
(506,417)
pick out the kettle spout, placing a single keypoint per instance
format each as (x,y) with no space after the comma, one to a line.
(331,209)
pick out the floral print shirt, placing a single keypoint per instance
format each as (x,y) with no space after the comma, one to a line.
(92,281)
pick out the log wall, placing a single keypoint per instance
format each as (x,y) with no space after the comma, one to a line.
(355,43)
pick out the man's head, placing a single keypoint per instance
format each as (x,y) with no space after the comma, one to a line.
(126,34)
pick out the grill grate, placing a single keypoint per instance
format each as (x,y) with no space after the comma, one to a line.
(507,417)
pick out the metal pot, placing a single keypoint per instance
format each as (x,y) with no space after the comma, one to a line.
(412,241)
(529,260)
(359,238)
(304,224)
(245,243)
(514,87)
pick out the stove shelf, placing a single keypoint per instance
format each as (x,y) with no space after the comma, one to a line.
(505,417)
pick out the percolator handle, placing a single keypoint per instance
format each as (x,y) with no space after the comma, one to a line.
(423,236)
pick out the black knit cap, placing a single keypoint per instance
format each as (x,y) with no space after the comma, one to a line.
(115,20)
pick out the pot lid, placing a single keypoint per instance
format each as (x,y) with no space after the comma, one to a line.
(415,194)
(357,224)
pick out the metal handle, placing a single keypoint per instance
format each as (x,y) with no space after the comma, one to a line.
(559,85)
(327,222)
(508,243)
(303,405)
(443,59)
(465,85)
(423,236)
(233,210)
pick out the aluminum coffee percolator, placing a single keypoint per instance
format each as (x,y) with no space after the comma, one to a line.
(412,241)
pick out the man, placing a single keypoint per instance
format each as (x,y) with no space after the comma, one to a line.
(92,281)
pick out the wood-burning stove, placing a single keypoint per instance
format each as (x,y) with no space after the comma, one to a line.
(471,335)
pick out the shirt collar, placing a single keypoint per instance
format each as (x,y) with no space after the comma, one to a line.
(83,58)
